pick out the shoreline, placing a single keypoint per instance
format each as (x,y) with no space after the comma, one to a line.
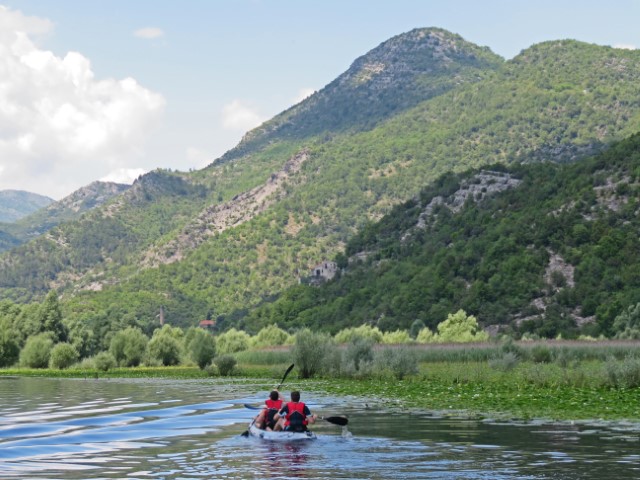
(530,392)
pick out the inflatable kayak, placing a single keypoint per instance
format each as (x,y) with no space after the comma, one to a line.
(282,436)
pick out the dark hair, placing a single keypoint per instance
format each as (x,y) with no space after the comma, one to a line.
(295,396)
(274,395)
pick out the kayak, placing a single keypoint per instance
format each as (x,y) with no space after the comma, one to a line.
(282,436)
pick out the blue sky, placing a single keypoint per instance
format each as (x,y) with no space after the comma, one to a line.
(156,83)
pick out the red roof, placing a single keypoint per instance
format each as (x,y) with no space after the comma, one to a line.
(207,323)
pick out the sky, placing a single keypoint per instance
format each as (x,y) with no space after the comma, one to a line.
(109,89)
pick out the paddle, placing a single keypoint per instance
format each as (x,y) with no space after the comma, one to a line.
(338,420)
(342,421)
(285,376)
(246,432)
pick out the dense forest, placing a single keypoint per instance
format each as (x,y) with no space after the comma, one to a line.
(556,252)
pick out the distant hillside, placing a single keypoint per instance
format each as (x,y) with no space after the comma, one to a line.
(226,238)
(16,204)
(542,249)
(69,208)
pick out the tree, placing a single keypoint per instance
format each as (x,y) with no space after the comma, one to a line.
(63,355)
(201,346)
(416,326)
(50,317)
(458,327)
(425,335)
(128,346)
(312,352)
(363,331)
(37,351)
(270,336)
(400,362)
(359,351)
(166,345)
(226,364)
(397,336)
(104,361)
(232,341)
(9,350)
(627,324)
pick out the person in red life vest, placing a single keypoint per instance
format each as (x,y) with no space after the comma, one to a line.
(273,404)
(294,415)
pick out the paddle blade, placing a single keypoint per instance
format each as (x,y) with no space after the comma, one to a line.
(342,421)
(285,375)
(245,433)
(253,407)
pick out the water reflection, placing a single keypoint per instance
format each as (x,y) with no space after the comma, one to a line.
(163,429)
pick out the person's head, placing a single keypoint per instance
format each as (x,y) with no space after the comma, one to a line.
(274,395)
(295,396)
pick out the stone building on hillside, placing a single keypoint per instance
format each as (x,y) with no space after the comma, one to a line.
(324,271)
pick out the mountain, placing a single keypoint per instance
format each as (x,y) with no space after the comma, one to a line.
(395,76)
(297,189)
(54,213)
(542,249)
(16,204)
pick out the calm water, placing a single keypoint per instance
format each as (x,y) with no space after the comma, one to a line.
(170,429)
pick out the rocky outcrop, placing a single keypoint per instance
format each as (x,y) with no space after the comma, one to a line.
(86,198)
(220,217)
(476,188)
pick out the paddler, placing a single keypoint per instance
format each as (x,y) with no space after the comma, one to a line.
(294,416)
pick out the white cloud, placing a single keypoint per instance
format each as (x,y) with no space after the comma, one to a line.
(124,175)
(303,94)
(12,21)
(61,128)
(239,116)
(149,33)
(625,46)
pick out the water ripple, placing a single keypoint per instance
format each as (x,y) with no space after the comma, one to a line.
(159,429)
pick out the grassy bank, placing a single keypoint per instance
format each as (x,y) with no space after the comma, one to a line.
(474,390)
(561,381)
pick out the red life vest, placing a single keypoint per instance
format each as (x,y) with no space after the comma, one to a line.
(294,408)
(273,404)
(273,407)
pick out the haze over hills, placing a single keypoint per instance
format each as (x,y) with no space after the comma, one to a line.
(16,204)
(298,188)
(52,213)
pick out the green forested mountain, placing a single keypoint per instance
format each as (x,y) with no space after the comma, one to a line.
(16,204)
(544,249)
(294,192)
(53,213)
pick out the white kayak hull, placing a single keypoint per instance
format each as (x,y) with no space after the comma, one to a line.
(281,436)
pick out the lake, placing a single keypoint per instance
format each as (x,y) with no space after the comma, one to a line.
(190,429)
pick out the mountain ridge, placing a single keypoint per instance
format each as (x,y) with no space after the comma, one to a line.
(365,85)
(350,177)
